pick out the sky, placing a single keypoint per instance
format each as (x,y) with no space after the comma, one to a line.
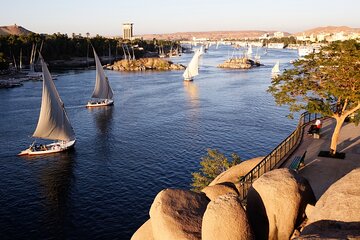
(168,16)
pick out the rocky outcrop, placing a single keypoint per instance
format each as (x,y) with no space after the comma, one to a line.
(144,232)
(337,213)
(233,174)
(177,214)
(225,218)
(213,192)
(239,63)
(144,64)
(276,203)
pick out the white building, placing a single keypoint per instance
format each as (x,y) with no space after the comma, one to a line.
(339,36)
(302,37)
(128,31)
(322,36)
(264,36)
(278,34)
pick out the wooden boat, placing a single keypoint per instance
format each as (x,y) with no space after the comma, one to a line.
(192,69)
(102,93)
(53,123)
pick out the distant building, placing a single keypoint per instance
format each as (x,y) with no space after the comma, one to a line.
(322,36)
(264,36)
(128,31)
(339,36)
(278,34)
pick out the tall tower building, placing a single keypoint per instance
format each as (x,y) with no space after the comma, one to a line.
(128,31)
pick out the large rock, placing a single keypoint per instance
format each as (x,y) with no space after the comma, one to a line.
(337,213)
(239,63)
(144,232)
(233,174)
(225,219)
(276,203)
(143,64)
(213,192)
(177,214)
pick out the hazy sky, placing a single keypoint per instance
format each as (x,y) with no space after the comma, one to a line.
(168,16)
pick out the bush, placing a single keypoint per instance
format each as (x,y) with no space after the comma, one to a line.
(212,164)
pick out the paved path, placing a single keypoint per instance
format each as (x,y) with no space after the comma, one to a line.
(320,171)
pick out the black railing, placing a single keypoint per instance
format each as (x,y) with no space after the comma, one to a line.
(283,149)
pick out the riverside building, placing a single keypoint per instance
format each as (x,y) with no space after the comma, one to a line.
(128,31)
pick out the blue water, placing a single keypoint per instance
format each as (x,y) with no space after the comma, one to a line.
(151,139)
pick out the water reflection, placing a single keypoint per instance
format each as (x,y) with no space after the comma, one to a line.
(103,118)
(192,93)
(56,180)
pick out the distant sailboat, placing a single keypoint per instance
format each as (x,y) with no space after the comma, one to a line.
(162,52)
(102,91)
(32,74)
(257,56)
(53,122)
(20,61)
(276,69)
(192,69)
(249,52)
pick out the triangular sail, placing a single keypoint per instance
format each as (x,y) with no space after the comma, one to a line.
(192,69)
(102,88)
(276,68)
(53,122)
(249,51)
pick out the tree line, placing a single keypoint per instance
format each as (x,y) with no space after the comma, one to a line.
(60,46)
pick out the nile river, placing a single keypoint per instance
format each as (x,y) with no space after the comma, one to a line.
(151,139)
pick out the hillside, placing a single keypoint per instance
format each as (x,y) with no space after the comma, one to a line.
(14,30)
(215,35)
(328,29)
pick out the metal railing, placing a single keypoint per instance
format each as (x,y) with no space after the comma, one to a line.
(276,155)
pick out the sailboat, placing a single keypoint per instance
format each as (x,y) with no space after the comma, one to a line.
(276,69)
(53,123)
(102,91)
(192,69)
(249,52)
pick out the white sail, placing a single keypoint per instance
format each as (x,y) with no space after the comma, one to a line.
(276,68)
(32,58)
(249,51)
(192,69)
(102,88)
(53,122)
(20,64)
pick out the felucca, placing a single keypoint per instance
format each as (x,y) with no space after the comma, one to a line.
(276,68)
(192,69)
(53,123)
(102,93)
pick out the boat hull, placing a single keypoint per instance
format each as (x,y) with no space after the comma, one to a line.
(188,79)
(48,149)
(101,103)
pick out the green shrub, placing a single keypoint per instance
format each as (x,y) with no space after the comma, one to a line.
(212,165)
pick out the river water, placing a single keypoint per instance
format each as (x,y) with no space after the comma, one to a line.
(151,139)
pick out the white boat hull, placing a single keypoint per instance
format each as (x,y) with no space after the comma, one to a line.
(188,79)
(48,149)
(100,103)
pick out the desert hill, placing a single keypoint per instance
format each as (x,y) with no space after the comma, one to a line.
(213,35)
(13,30)
(329,29)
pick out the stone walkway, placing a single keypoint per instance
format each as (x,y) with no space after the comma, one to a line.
(321,171)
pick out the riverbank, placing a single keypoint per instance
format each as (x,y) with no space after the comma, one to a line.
(12,79)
